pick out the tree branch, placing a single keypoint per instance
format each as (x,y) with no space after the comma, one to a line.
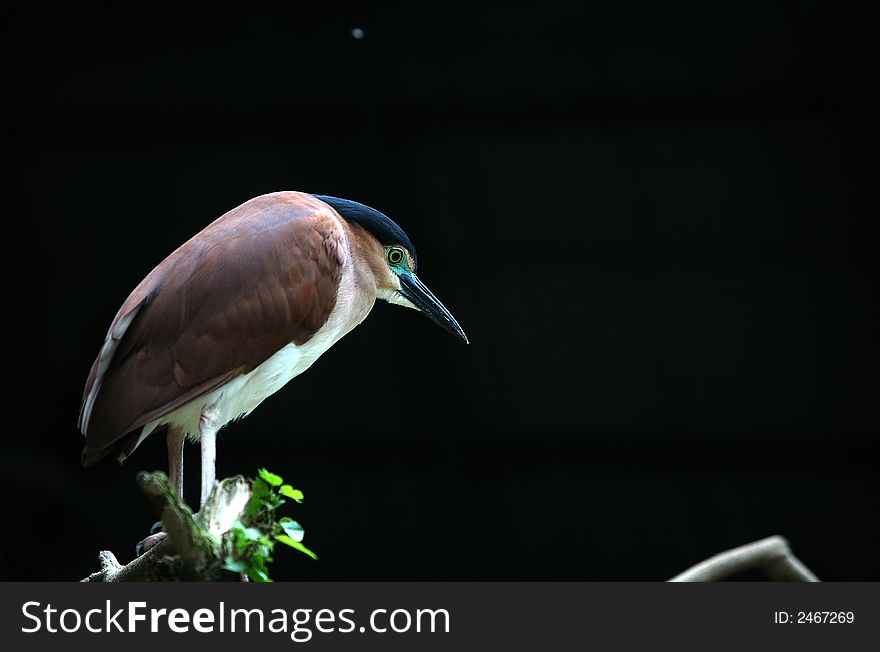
(772,555)
(192,548)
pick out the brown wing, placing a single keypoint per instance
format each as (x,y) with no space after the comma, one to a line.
(261,276)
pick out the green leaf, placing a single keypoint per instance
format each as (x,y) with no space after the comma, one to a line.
(261,489)
(271,478)
(258,575)
(293,529)
(252,533)
(258,495)
(290,492)
(234,565)
(286,540)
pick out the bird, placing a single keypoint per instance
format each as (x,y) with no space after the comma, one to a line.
(235,313)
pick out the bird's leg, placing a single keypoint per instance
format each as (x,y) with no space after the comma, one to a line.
(175,439)
(208,425)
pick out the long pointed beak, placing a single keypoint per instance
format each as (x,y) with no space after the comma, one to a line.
(423,299)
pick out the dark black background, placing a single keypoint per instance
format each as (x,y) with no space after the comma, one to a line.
(654,222)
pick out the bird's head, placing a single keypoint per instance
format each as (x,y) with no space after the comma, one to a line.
(396,275)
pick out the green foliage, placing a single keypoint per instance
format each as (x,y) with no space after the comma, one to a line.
(271,478)
(296,544)
(293,529)
(290,492)
(249,545)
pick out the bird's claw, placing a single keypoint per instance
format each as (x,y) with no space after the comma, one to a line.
(152,540)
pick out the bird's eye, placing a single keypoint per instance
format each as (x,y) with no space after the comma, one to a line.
(394,255)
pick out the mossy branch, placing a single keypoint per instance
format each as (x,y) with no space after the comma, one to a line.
(192,549)
(232,538)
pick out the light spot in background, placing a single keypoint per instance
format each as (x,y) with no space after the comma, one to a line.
(357,33)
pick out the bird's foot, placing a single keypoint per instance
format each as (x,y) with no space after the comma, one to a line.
(156,535)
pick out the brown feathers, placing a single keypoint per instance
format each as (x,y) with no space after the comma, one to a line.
(261,276)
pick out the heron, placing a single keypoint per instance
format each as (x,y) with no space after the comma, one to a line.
(235,313)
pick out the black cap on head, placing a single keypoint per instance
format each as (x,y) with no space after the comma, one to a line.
(382,227)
